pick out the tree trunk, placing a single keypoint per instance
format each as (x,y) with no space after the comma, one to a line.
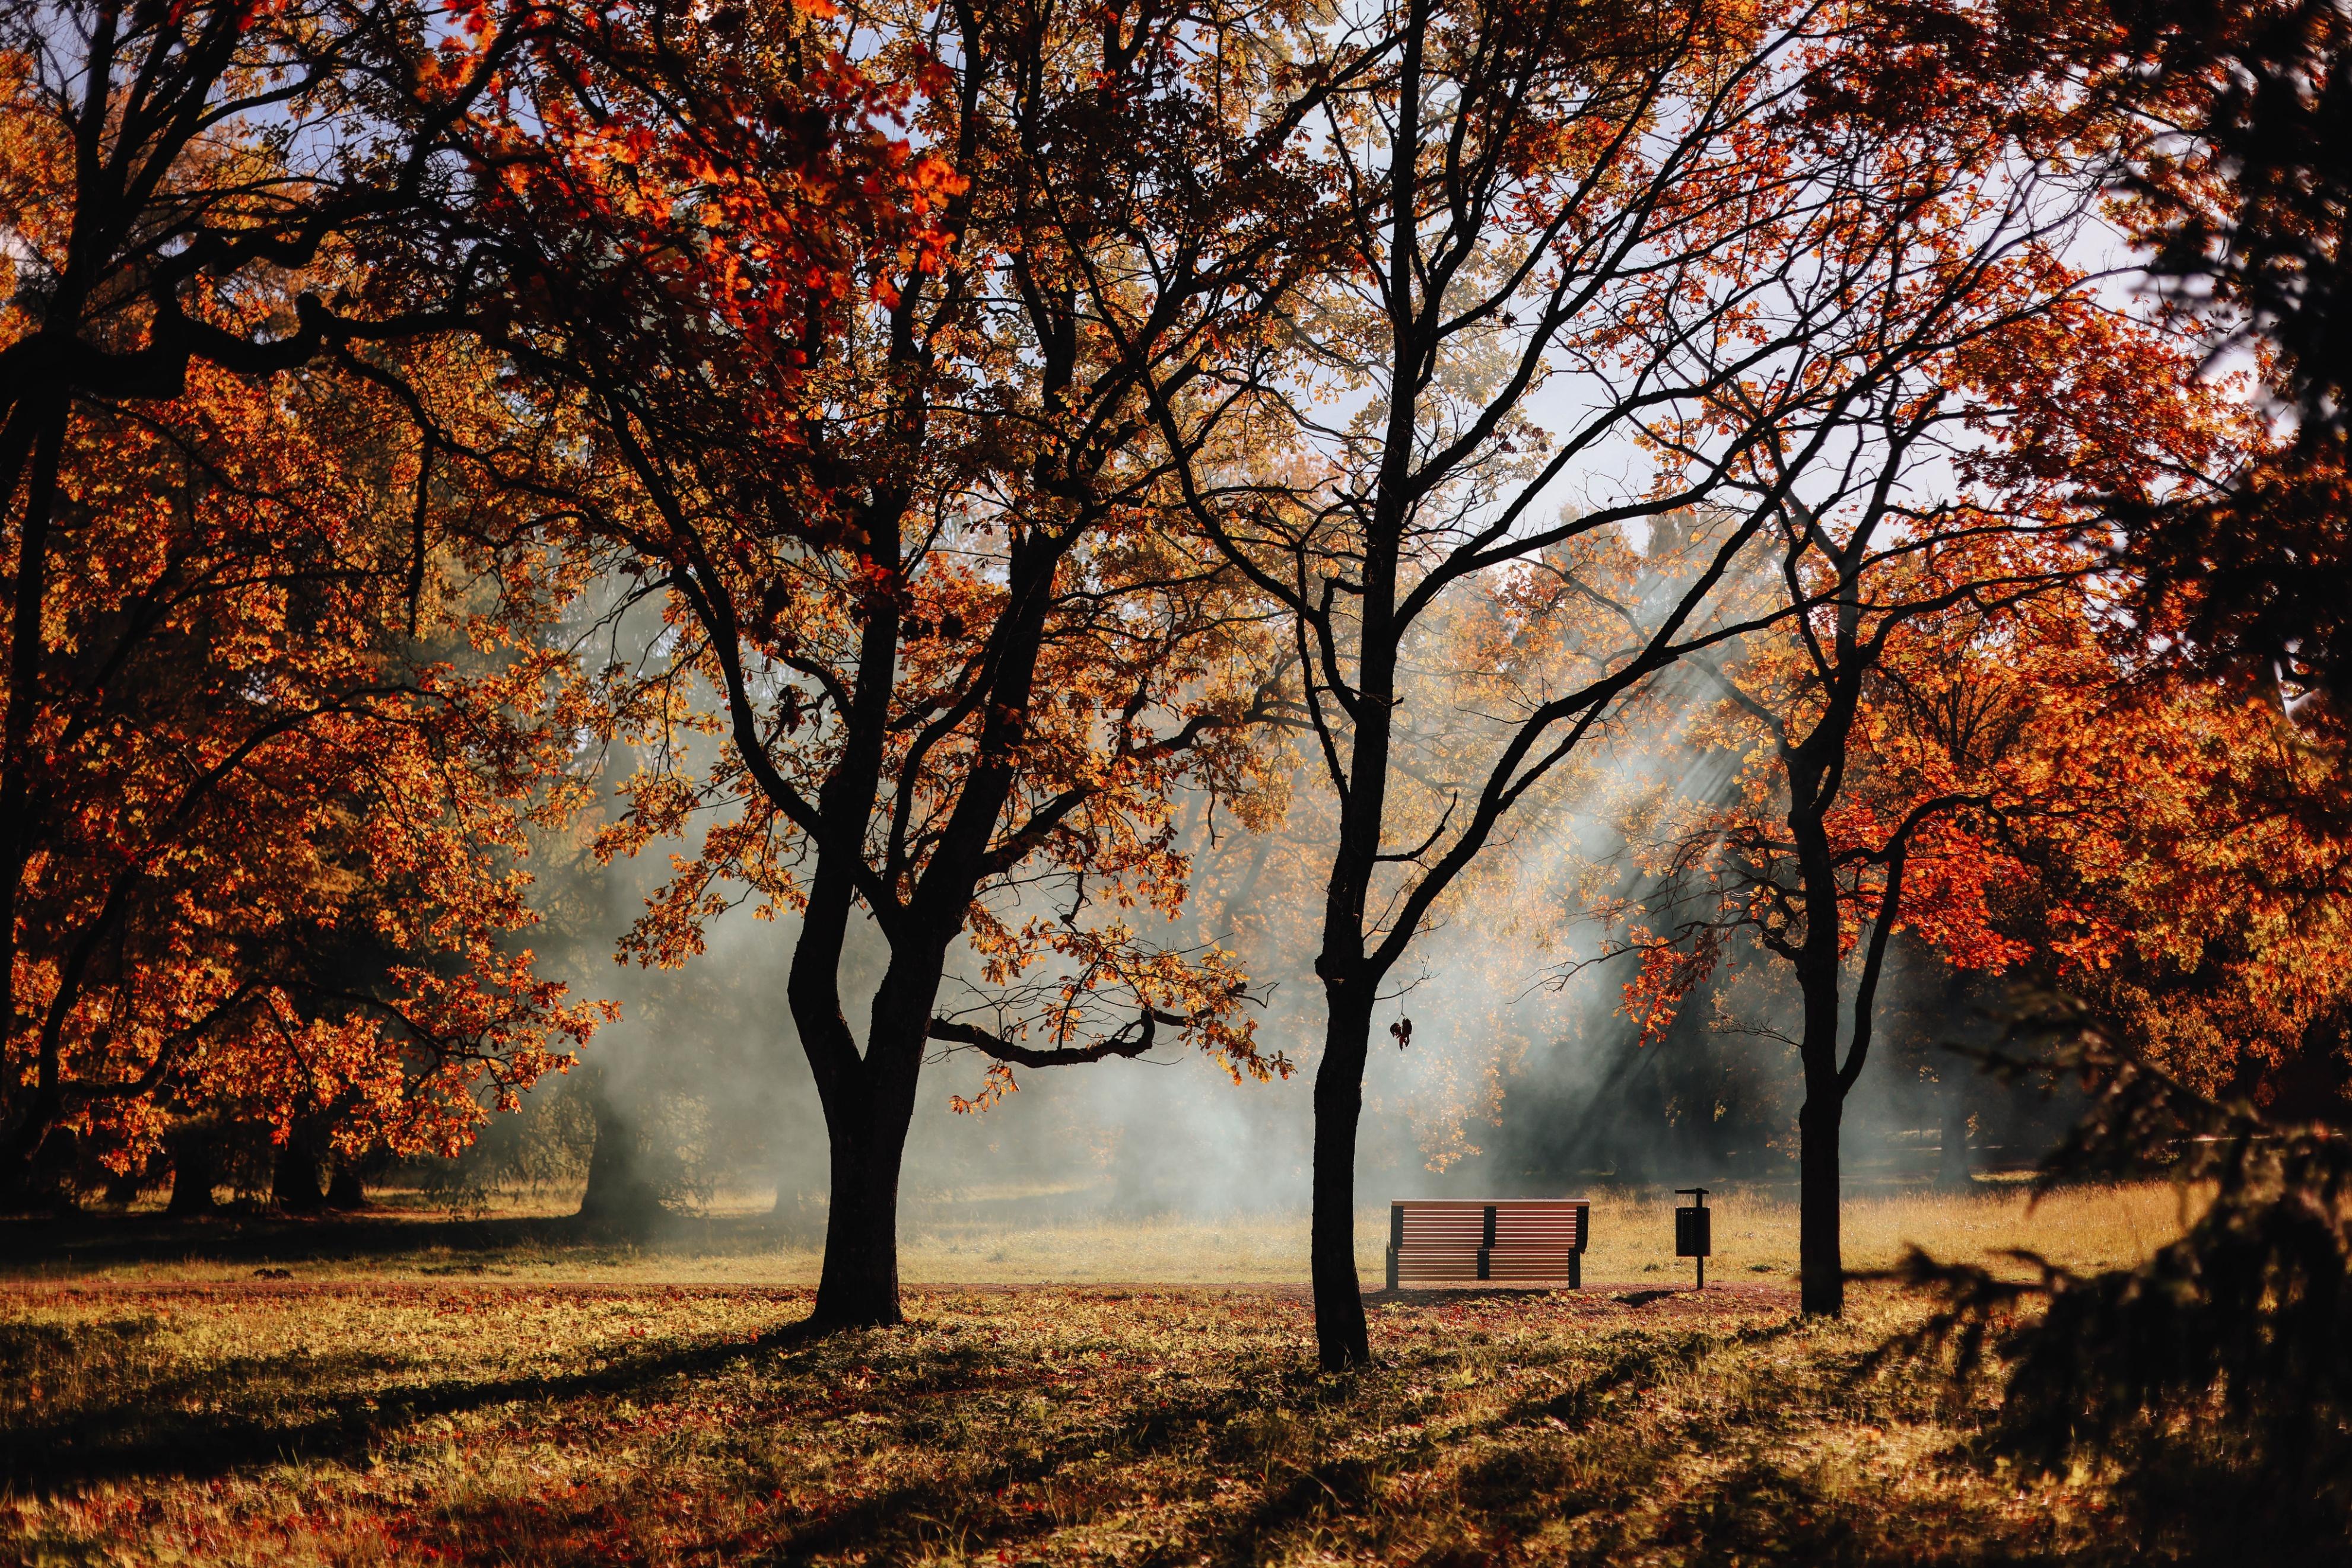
(294,1176)
(46,1183)
(196,1168)
(345,1190)
(43,1103)
(867,1131)
(1820,1254)
(1350,981)
(123,1191)
(17,1194)
(1341,1336)
(1821,1259)
(618,1198)
(1952,1171)
(18,1186)
(859,1287)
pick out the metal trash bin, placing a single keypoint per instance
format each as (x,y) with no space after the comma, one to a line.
(1695,1230)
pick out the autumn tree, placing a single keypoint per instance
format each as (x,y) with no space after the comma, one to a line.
(1877,754)
(2186,913)
(271,873)
(221,755)
(2239,197)
(169,168)
(1578,239)
(864,341)
(2230,184)
(2192,894)
(1927,701)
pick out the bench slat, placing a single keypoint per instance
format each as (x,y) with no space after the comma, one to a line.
(1518,1241)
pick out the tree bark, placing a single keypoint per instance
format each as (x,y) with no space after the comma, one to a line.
(1952,1168)
(294,1176)
(196,1167)
(345,1190)
(1820,1257)
(859,1287)
(44,1184)
(867,1127)
(39,1110)
(618,1196)
(1342,1337)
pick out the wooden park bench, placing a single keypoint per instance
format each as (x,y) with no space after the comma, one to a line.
(1509,1241)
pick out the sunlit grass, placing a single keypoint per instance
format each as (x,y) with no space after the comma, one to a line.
(1631,1239)
(561,1409)
(525,1239)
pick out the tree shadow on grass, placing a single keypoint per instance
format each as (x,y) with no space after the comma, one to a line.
(1556,1454)
(268,1410)
(1247,1426)
(78,1244)
(1767,1514)
(1243,1426)
(1518,1479)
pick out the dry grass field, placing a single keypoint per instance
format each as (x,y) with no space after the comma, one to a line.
(527,1241)
(511,1399)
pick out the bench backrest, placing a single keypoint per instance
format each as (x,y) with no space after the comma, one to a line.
(1469,1224)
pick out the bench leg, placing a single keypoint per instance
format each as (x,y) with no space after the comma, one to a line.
(1392,1268)
(1576,1270)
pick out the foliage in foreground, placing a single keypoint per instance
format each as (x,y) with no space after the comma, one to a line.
(2237,1334)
